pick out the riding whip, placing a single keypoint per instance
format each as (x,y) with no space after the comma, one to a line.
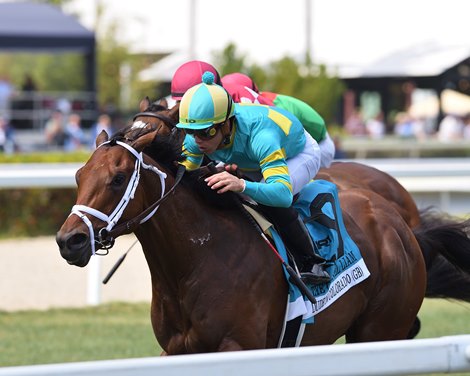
(117,264)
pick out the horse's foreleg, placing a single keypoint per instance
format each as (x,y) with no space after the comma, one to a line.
(229,344)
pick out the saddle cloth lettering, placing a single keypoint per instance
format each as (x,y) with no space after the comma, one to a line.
(319,208)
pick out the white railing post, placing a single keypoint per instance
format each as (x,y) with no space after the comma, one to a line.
(94,281)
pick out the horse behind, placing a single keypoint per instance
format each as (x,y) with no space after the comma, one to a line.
(216,285)
(444,280)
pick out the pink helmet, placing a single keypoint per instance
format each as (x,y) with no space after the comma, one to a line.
(188,75)
(239,79)
(243,94)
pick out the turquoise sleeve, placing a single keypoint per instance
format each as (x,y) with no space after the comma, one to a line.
(273,194)
(192,153)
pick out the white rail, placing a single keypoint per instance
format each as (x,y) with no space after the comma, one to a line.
(410,357)
(63,174)
(33,175)
(444,183)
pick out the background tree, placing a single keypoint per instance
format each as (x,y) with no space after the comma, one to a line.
(111,57)
(229,60)
(312,84)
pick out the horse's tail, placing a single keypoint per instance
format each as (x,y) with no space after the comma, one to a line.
(445,244)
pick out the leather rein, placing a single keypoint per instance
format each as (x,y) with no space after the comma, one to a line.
(142,217)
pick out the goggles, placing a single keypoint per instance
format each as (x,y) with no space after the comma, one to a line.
(204,134)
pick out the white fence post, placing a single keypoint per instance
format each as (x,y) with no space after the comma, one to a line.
(94,281)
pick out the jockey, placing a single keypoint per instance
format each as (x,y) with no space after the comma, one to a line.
(243,94)
(311,120)
(254,137)
(188,75)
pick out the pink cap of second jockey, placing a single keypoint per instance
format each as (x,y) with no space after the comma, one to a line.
(188,75)
(239,79)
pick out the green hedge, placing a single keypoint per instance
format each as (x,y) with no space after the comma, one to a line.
(38,211)
(34,212)
(53,157)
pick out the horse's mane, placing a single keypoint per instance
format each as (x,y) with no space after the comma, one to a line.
(164,149)
(194,180)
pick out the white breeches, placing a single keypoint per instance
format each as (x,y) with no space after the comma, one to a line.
(327,148)
(305,165)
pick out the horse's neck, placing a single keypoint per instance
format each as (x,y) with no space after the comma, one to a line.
(187,237)
(168,239)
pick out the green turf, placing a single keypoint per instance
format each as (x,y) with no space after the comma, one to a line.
(442,318)
(71,335)
(123,331)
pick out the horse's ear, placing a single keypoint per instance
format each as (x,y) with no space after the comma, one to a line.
(102,137)
(144,104)
(142,142)
(174,112)
(163,102)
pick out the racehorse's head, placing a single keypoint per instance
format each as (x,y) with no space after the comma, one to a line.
(107,195)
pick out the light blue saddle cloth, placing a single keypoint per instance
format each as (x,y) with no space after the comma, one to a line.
(319,208)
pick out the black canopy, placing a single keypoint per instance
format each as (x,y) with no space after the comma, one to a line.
(45,28)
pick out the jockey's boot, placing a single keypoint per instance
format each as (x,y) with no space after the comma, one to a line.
(311,265)
(298,240)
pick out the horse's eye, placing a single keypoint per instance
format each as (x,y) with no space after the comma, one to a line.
(118,180)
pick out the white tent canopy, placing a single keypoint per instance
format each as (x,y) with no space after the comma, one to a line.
(425,59)
(164,69)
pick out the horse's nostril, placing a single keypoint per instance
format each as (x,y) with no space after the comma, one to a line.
(76,241)
(60,241)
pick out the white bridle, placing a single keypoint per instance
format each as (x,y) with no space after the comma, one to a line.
(114,217)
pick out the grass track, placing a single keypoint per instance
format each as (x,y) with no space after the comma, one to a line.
(123,330)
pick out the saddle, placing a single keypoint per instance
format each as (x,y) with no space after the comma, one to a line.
(319,208)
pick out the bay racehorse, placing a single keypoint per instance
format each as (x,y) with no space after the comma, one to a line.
(216,285)
(348,175)
(443,277)
(442,274)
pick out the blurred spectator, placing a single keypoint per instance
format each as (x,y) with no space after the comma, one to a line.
(451,128)
(6,92)
(339,151)
(54,130)
(103,123)
(375,126)
(404,125)
(420,128)
(110,107)
(28,84)
(26,103)
(3,133)
(75,135)
(64,105)
(7,143)
(466,127)
(354,125)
